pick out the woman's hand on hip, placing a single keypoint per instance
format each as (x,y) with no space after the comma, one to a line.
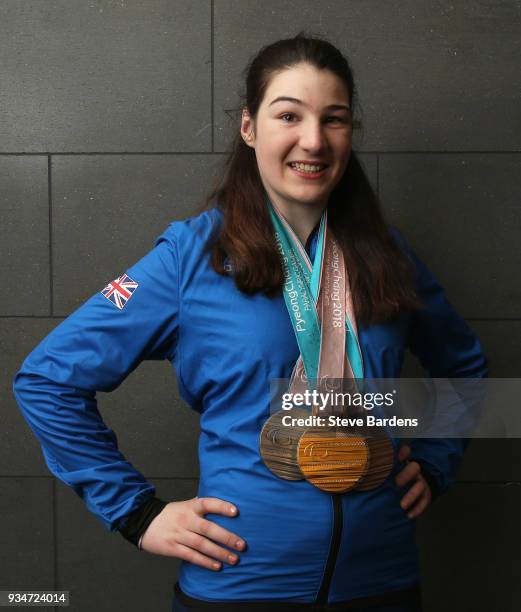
(419,496)
(180,530)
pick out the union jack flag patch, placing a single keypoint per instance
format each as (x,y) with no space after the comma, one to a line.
(120,290)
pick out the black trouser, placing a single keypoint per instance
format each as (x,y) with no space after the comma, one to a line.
(404,601)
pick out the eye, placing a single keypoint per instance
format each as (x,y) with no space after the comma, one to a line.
(334,117)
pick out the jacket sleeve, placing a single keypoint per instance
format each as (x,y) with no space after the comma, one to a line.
(447,348)
(95,349)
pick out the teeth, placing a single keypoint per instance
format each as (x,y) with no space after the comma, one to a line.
(306,167)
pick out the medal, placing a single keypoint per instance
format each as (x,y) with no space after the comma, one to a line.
(380,462)
(278,444)
(334,459)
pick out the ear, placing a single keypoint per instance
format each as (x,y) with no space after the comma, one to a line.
(247,128)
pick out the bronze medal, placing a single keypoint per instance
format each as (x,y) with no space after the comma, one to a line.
(278,444)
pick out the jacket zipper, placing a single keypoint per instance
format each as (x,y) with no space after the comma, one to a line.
(323,592)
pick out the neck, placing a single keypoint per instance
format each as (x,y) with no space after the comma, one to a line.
(302,218)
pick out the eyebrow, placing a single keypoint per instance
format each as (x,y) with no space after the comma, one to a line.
(297,101)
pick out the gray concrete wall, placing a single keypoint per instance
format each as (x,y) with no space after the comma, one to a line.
(113,116)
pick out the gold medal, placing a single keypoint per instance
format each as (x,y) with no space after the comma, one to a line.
(380,464)
(332,459)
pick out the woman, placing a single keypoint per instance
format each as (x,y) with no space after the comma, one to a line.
(210,297)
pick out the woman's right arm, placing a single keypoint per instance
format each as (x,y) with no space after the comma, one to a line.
(134,318)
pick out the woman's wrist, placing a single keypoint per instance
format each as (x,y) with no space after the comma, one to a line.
(431,481)
(138,521)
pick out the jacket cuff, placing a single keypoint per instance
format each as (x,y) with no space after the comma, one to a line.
(137,522)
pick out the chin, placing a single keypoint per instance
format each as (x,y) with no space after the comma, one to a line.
(308,193)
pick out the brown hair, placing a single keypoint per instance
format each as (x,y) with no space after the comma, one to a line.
(380,276)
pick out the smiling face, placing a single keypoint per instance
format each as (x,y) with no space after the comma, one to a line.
(315,128)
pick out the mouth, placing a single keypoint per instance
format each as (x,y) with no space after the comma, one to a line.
(307,170)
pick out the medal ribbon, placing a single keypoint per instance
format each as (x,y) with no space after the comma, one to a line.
(319,303)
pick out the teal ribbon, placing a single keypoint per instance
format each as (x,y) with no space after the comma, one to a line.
(301,294)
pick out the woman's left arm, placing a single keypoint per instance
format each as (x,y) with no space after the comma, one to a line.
(447,348)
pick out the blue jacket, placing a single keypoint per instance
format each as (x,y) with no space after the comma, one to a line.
(225,347)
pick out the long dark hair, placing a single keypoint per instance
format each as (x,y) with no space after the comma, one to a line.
(380,276)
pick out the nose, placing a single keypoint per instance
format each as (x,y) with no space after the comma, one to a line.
(312,136)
